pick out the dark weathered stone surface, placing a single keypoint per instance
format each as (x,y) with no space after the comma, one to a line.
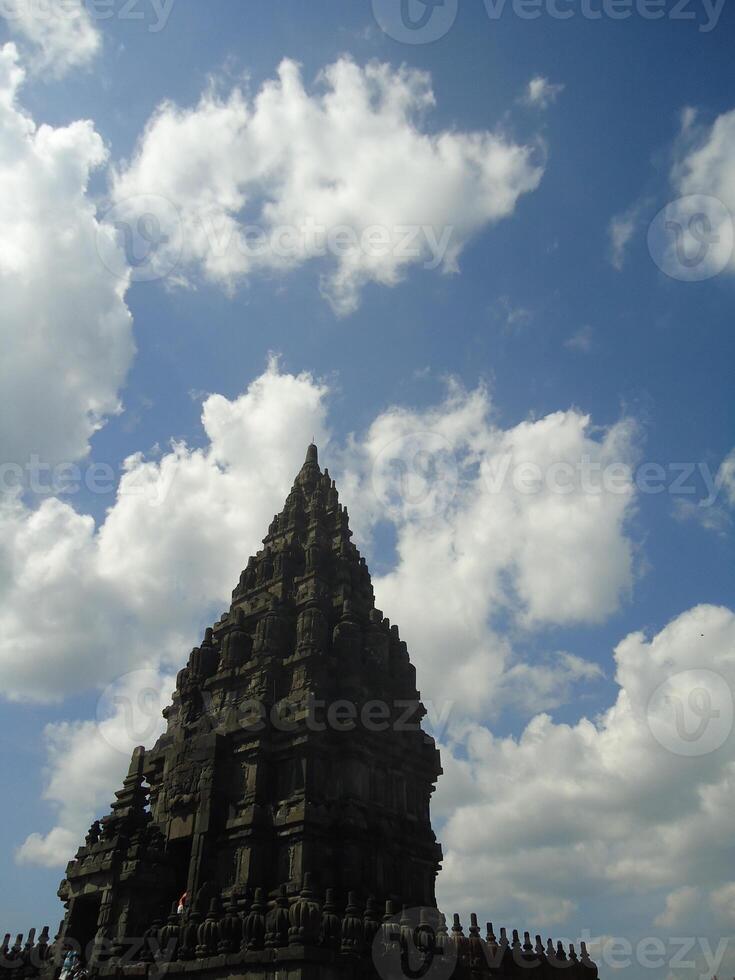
(264,773)
(289,797)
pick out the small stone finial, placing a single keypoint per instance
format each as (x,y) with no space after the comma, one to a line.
(312,454)
(370,921)
(254,925)
(309,475)
(425,936)
(276,921)
(352,928)
(389,928)
(331,934)
(304,916)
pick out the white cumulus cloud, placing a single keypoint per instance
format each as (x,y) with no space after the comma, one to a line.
(65,329)
(706,171)
(206,510)
(114,604)
(609,805)
(60,34)
(348,172)
(490,521)
(85,759)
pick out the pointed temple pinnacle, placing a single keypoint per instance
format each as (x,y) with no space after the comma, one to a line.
(309,473)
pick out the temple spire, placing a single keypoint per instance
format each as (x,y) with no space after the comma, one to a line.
(309,472)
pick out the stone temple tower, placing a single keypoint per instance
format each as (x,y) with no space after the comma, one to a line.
(279,829)
(294,752)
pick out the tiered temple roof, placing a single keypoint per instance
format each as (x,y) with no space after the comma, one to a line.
(287,803)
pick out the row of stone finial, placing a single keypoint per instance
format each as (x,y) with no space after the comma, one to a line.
(26,958)
(493,952)
(358,931)
(255,925)
(354,931)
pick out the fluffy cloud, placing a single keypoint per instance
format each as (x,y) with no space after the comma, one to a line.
(581,340)
(693,236)
(723,902)
(726,477)
(520,486)
(65,329)
(713,512)
(633,801)
(472,540)
(348,172)
(680,905)
(491,522)
(541,93)
(620,231)
(706,171)
(100,585)
(87,759)
(60,33)
(287,159)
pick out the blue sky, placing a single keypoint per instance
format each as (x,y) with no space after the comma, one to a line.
(540,316)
